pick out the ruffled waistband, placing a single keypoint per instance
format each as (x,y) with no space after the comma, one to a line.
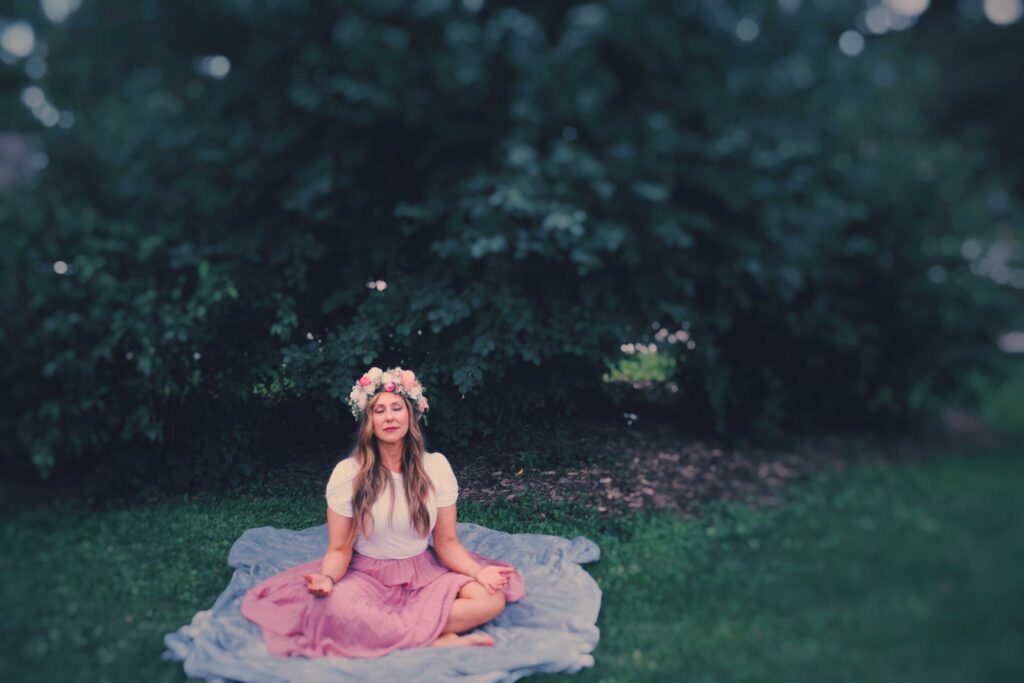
(419,570)
(412,572)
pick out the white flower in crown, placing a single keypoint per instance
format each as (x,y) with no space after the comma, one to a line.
(374,374)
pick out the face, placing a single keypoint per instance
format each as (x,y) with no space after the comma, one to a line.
(390,418)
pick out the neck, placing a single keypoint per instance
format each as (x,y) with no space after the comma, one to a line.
(391,455)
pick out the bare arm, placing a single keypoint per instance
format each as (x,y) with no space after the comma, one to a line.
(342,536)
(448,547)
(339,547)
(455,556)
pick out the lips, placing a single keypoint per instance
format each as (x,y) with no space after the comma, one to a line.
(390,429)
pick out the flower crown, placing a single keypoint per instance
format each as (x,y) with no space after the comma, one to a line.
(395,380)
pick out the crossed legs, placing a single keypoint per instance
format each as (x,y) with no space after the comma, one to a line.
(473,606)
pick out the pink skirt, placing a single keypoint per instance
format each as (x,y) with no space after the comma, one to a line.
(377,607)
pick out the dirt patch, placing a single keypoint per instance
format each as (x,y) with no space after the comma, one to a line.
(645,472)
(634,470)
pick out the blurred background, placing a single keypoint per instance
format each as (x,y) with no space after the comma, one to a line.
(744,220)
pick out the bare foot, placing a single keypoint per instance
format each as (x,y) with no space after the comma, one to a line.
(455,640)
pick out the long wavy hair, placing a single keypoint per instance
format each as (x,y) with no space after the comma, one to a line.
(373,476)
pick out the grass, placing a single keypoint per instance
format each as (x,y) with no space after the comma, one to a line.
(1003,405)
(892,573)
(643,365)
(883,573)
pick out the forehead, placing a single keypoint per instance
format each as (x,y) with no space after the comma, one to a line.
(388,400)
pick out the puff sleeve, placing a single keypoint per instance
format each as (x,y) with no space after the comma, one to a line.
(339,487)
(445,485)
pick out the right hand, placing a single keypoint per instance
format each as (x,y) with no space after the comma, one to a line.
(318,584)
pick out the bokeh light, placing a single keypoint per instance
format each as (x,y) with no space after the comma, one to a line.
(32,96)
(1003,12)
(878,20)
(851,43)
(747,29)
(1012,342)
(18,39)
(35,68)
(57,11)
(908,8)
(214,66)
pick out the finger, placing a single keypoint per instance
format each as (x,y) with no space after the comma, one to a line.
(507,570)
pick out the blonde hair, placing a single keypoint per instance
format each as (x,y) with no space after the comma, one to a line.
(373,476)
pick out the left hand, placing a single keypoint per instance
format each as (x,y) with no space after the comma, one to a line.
(493,577)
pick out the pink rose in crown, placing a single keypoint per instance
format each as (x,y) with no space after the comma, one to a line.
(390,386)
(365,381)
(422,405)
(408,379)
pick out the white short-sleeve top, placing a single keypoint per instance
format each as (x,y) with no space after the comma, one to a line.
(400,540)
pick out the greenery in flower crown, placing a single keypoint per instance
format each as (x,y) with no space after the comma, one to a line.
(395,380)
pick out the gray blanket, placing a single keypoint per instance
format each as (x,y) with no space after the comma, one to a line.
(552,629)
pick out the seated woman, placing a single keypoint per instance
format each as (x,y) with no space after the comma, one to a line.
(379,586)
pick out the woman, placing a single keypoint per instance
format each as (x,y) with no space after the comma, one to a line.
(379,587)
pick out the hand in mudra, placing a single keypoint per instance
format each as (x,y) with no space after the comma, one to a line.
(318,584)
(493,577)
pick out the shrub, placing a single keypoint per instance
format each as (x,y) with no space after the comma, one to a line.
(497,199)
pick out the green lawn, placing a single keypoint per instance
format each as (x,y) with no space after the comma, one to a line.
(1003,405)
(895,573)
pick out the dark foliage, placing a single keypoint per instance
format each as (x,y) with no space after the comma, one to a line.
(536,184)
